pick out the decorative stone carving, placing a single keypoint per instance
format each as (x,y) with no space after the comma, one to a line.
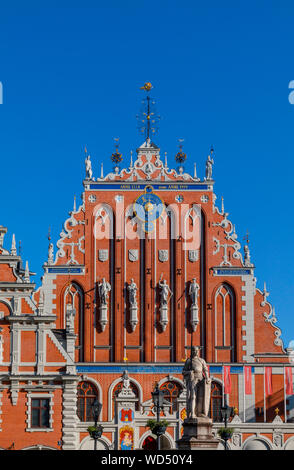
(89,172)
(132,289)
(50,260)
(133,255)
(193,255)
(70,318)
(194,293)
(103,289)
(163,255)
(247,261)
(126,391)
(165,295)
(103,255)
(209,163)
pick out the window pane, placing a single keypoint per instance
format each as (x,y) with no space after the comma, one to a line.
(45,417)
(35,417)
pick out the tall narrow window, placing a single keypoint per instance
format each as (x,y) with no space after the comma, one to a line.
(87,394)
(215,402)
(224,324)
(74,297)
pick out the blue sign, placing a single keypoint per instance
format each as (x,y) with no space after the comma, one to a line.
(118,186)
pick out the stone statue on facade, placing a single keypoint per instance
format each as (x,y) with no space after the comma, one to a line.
(132,288)
(164,292)
(198,385)
(194,291)
(89,171)
(103,289)
(209,163)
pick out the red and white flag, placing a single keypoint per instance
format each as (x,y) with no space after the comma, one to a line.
(268,381)
(289,380)
(227,379)
(248,379)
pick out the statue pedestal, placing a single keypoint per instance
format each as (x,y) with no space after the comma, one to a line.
(163,317)
(198,435)
(103,316)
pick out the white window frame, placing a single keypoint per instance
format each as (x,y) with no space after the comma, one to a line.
(39,396)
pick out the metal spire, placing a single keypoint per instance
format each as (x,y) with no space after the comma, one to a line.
(148,118)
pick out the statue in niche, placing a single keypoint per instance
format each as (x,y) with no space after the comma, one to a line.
(198,385)
(164,292)
(103,289)
(132,288)
(194,291)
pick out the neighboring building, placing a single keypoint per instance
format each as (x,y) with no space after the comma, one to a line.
(117,312)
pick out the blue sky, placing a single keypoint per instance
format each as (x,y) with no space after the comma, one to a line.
(71,73)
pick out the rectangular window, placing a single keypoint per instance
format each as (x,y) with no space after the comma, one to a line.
(40,413)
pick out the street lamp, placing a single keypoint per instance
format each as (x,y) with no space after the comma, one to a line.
(226,413)
(97,431)
(157,397)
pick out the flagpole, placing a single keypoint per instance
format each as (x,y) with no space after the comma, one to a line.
(285,396)
(244,404)
(223,398)
(264,397)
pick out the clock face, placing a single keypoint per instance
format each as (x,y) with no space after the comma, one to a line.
(148,208)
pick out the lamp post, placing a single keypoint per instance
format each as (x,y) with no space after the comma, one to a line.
(97,432)
(226,413)
(157,397)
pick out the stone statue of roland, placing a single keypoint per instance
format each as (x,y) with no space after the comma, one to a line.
(198,385)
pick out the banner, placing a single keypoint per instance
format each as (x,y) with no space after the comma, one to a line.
(227,379)
(248,380)
(268,381)
(289,380)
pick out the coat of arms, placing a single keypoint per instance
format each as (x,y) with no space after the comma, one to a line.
(133,255)
(103,255)
(193,255)
(163,255)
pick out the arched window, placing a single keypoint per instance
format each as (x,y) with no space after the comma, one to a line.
(171,391)
(215,402)
(117,389)
(87,393)
(224,324)
(74,298)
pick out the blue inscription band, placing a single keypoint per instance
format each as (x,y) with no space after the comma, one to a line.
(141,187)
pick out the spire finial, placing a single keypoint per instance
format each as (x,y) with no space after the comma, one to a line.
(101,174)
(13,246)
(131,165)
(195,171)
(246,237)
(116,156)
(223,206)
(74,205)
(27,273)
(180,156)
(148,118)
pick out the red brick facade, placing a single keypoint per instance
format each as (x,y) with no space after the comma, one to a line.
(62,337)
